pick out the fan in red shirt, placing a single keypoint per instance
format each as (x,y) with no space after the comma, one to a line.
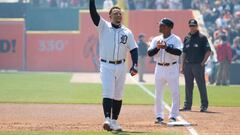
(224,57)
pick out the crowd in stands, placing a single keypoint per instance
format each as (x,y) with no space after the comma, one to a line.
(61,3)
(222,20)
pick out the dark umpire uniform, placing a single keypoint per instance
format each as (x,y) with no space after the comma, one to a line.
(196,51)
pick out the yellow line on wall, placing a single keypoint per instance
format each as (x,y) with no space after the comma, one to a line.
(12,19)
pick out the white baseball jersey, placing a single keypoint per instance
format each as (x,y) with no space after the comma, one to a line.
(167,75)
(114,43)
(162,56)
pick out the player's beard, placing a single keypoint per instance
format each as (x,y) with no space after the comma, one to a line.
(160,30)
(118,20)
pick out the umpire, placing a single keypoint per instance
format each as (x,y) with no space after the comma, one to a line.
(196,51)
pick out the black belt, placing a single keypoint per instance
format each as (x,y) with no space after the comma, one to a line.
(113,62)
(166,64)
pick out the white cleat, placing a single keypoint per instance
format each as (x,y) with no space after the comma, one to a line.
(115,126)
(107,124)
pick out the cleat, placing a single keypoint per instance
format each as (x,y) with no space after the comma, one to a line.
(203,109)
(172,119)
(115,126)
(107,124)
(159,120)
(185,109)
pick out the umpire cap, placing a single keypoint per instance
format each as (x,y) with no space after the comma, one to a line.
(192,22)
(166,21)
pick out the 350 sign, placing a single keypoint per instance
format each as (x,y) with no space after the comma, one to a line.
(51,45)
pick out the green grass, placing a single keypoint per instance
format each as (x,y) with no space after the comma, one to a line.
(56,88)
(86,133)
(221,96)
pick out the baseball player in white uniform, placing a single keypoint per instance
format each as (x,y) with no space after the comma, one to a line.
(166,49)
(115,41)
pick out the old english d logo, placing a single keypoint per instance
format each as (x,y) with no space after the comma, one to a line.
(195,45)
(124,39)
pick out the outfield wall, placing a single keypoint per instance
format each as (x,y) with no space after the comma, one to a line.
(76,50)
(12,44)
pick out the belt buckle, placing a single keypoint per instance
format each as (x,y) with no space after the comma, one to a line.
(165,64)
(115,62)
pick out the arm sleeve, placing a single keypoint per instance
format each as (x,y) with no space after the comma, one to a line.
(176,49)
(152,52)
(93,12)
(173,51)
(134,55)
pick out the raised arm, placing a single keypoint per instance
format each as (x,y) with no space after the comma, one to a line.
(93,11)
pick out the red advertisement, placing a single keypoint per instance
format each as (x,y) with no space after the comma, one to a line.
(12,39)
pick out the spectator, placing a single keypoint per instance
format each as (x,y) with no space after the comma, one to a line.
(227,16)
(165,4)
(221,22)
(196,4)
(150,4)
(83,4)
(232,33)
(236,4)
(186,4)
(140,4)
(64,4)
(107,4)
(158,4)
(142,53)
(75,3)
(175,4)
(35,3)
(53,3)
(218,32)
(131,5)
(224,57)
(236,49)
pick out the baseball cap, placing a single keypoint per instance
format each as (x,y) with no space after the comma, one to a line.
(192,22)
(166,21)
